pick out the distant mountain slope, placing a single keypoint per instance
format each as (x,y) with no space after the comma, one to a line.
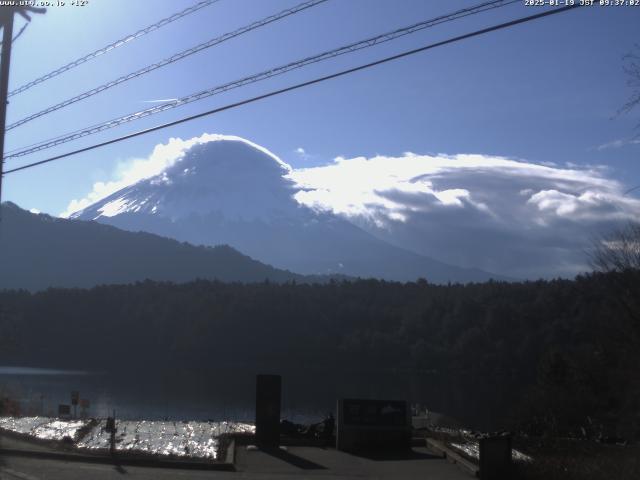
(226,190)
(39,251)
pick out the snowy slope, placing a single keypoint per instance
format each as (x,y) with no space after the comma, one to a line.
(226,190)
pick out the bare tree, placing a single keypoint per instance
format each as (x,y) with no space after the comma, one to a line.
(618,255)
(618,251)
(631,67)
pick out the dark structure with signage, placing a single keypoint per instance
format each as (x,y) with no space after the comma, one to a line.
(373,425)
(268,390)
(495,458)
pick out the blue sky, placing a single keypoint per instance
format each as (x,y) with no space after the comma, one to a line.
(517,157)
(544,92)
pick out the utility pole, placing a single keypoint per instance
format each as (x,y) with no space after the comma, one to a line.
(6,20)
(5,60)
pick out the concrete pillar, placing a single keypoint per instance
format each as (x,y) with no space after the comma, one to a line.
(495,458)
(268,394)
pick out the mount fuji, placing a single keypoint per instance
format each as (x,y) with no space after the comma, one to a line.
(227,190)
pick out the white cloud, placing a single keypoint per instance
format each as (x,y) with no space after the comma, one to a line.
(591,205)
(303,154)
(618,143)
(34,210)
(503,215)
(508,216)
(372,187)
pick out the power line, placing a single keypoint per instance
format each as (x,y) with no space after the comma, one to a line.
(42,145)
(370,42)
(168,61)
(114,45)
(303,84)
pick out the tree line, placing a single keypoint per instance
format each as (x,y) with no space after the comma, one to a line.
(544,357)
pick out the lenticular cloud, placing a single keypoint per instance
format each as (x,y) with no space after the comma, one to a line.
(511,216)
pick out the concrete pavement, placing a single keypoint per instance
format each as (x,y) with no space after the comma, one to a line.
(292,462)
(311,462)
(21,468)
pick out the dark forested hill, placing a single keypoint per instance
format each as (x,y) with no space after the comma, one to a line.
(39,251)
(551,354)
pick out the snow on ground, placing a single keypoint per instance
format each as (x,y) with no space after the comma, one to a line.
(183,439)
(473,450)
(43,427)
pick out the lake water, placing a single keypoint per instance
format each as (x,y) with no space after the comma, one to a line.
(22,371)
(228,394)
(168,395)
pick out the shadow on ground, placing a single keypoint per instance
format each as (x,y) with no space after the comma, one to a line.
(294,460)
(399,455)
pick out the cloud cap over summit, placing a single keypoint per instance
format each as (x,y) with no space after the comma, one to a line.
(510,216)
(201,175)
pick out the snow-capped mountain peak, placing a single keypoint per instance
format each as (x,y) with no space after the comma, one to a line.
(218,189)
(230,176)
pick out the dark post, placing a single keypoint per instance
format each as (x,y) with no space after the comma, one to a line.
(111,430)
(268,392)
(75,396)
(6,17)
(495,458)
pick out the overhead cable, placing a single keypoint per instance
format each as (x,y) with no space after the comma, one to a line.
(168,61)
(118,43)
(370,42)
(301,85)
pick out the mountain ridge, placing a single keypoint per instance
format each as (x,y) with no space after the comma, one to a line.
(38,251)
(226,190)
